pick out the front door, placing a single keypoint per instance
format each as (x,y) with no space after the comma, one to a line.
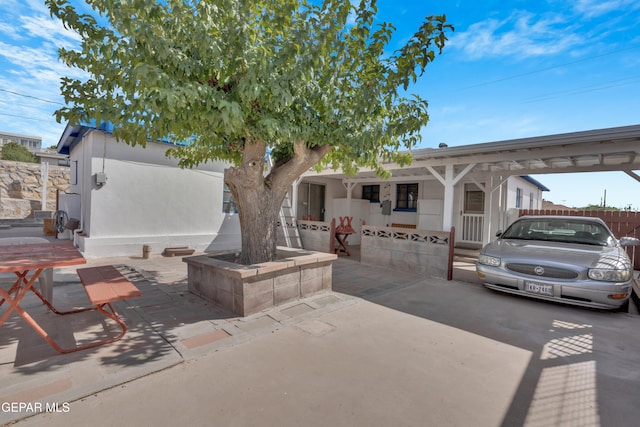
(311,201)
(472,214)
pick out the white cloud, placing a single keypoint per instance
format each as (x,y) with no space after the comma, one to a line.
(31,71)
(596,8)
(522,35)
(50,30)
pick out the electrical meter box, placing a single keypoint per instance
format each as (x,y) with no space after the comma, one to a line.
(101,178)
(386,207)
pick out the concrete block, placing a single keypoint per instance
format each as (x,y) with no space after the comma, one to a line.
(286,293)
(287,278)
(311,286)
(257,285)
(253,303)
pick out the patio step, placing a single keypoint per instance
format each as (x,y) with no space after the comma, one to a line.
(178,251)
(466,255)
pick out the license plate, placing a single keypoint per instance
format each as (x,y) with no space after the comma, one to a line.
(538,288)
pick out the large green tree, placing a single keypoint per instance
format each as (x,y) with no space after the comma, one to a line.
(312,82)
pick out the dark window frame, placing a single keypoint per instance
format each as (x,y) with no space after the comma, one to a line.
(519,198)
(371,193)
(405,203)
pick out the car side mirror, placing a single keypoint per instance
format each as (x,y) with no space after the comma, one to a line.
(499,233)
(629,241)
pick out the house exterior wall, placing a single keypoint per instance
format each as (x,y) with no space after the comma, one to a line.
(500,202)
(333,190)
(429,213)
(430,192)
(531,194)
(147,200)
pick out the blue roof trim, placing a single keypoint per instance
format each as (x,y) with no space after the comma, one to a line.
(534,182)
(72,135)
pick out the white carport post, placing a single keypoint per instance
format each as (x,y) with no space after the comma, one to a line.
(349,187)
(493,186)
(449,181)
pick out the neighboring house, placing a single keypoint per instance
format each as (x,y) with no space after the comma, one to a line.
(546,204)
(31,143)
(52,158)
(126,197)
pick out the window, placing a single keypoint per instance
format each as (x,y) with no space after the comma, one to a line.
(407,197)
(519,196)
(371,193)
(73,173)
(473,199)
(530,200)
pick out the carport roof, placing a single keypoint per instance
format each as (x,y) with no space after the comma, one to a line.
(610,149)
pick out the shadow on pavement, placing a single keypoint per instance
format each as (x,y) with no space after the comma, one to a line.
(581,370)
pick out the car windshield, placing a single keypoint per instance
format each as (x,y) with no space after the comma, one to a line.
(560,230)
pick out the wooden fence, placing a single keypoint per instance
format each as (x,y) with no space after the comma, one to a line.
(621,223)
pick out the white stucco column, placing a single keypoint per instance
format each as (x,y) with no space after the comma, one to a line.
(447,214)
(349,187)
(494,210)
(449,182)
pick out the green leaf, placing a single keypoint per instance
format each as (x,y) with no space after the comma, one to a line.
(217,73)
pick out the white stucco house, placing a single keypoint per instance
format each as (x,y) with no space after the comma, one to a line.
(125,197)
(414,199)
(476,188)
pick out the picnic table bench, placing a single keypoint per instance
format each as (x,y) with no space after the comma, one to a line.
(104,285)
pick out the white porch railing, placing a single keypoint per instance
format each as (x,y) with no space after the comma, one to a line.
(472,225)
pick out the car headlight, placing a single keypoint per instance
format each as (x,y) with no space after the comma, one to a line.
(489,260)
(608,275)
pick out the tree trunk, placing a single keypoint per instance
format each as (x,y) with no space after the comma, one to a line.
(259,198)
(258,211)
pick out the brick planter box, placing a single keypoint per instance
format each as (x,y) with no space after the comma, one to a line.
(248,289)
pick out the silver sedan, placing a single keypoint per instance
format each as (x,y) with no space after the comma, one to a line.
(573,260)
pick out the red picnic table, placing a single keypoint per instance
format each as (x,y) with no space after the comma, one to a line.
(22,259)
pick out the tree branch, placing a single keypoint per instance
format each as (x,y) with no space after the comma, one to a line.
(250,172)
(283,175)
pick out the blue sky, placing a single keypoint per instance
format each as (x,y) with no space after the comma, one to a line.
(512,69)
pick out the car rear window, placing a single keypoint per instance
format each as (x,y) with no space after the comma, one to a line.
(563,230)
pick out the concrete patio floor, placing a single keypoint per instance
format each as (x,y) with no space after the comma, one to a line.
(384,348)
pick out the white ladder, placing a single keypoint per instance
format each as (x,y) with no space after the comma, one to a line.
(288,222)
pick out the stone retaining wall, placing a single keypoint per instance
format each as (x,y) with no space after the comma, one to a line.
(21,188)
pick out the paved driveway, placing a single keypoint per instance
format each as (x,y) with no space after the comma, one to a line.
(405,350)
(583,366)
